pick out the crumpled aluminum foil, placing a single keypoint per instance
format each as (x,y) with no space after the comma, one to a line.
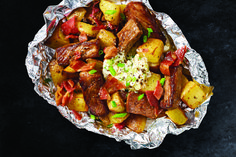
(40,55)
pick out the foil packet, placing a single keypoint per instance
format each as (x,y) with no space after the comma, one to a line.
(39,56)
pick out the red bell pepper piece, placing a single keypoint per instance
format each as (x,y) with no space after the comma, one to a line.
(69,27)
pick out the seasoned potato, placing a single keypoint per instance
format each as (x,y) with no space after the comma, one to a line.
(107,38)
(136,123)
(117,117)
(111,11)
(192,95)
(87,29)
(99,64)
(122,7)
(152,50)
(57,39)
(56,72)
(78,103)
(78,13)
(184,81)
(151,83)
(116,103)
(177,116)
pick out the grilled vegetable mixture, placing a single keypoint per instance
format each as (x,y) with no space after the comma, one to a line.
(118,64)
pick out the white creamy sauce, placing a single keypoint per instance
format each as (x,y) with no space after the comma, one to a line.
(132,71)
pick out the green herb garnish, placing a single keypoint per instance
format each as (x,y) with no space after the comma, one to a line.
(92,71)
(100,52)
(112,71)
(92,116)
(134,79)
(122,16)
(144,38)
(149,31)
(110,12)
(140,96)
(127,84)
(113,104)
(120,64)
(162,81)
(119,115)
(110,125)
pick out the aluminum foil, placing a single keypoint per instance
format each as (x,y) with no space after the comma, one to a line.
(39,56)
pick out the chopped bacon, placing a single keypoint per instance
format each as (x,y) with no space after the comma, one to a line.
(180,55)
(158,90)
(87,67)
(59,95)
(67,98)
(77,64)
(69,85)
(83,37)
(110,51)
(103,94)
(77,115)
(69,27)
(99,23)
(120,125)
(71,36)
(151,98)
(167,62)
(113,85)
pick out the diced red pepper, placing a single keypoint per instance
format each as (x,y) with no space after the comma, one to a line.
(103,94)
(113,85)
(69,27)
(77,115)
(158,90)
(151,98)
(180,55)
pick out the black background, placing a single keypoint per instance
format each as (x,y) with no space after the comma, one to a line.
(29,126)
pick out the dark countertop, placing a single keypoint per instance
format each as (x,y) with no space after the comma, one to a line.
(29,126)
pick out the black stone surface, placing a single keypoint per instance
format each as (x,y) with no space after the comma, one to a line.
(29,126)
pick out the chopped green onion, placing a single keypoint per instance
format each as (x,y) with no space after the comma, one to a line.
(113,104)
(144,38)
(47,80)
(92,116)
(127,84)
(134,79)
(120,64)
(110,12)
(149,31)
(140,96)
(100,52)
(162,81)
(112,71)
(92,71)
(119,115)
(110,61)
(122,16)
(110,125)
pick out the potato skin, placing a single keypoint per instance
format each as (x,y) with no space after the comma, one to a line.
(136,123)
(56,72)
(151,83)
(192,95)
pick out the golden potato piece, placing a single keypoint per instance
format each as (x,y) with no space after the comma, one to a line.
(192,95)
(177,115)
(78,103)
(99,64)
(87,29)
(117,117)
(136,123)
(56,72)
(152,50)
(57,39)
(151,83)
(78,13)
(111,11)
(116,103)
(107,38)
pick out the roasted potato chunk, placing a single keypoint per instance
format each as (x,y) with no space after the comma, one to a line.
(87,29)
(116,103)
(117,117)
(192,95)
(177,116)
(106,38)
(152,50)
(136,123)
(78,13)
(57,39)
(111,11)
(56,72)
(151,83)
(78,103)
(98,65)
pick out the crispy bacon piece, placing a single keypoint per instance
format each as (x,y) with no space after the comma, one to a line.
(172,88)
(83,37)
(128,35)
(113,85)
(91,84)
(110,51)
(69,27)
(158,90)
(87,49)
(141,107)
(138,11)
(103,94)
(167,62)
(180,55)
